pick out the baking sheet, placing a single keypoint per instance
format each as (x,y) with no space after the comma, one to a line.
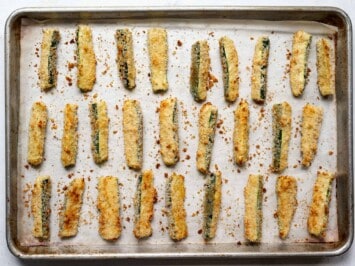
(108,87)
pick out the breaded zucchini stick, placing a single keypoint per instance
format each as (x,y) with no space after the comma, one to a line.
(70,135)
(325,68)
(37,133)
(144,200)
(241,133)
(259,70)
(40,207)
(206,131)
(168,133)
(158,55)
(70,217)
(200,70)
(253,194)
(125,58)
(48,65)
(286,191)
(312,117)
(133,133)
(319,210)
(175,201)
(212,204)
(229,60)
(108,205)
(299,62)
(282,118)
(99,131)
(86,60)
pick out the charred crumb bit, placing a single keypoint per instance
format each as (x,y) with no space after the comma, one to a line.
(184,150)
(275,215)
(166,175)
(157,166)
(149,75)
(211,34)
(27,166)
(264,190)
(187,157)
(330,152)
(272,32)
(238,171)
(219,123)
(115,132)
(70,82)
(199,231)
(72,41)
(65,188)
(257,146)
(320,167)
(158,141)
(251,38)
(239,243)
(91,170)
(179,43)
(157,110)
(295,166)
(128,219)
(71,66)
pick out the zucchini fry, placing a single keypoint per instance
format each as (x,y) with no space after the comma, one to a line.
(259,72)
(37,133)
(175,201)
(133,134)
(108,205)
(125,59)
(144,200)
(282,118)
(158,55)
(325,68)
(86,60)
(48,65)
(212,204)
(206,131)
(169,136)
(200,70)
(99,131)
(253,195)
(312,117)
(40,207)
(229,60)
(70,217)
(286,191)
(319,210)
(241,133)
(70,135)
(299,62)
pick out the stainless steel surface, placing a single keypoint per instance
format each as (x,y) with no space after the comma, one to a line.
(331,16)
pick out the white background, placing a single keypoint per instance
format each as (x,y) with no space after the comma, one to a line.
(6,7)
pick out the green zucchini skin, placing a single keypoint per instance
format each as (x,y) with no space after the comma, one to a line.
(125,58)
(212,204)
(282,118)
(199,72)
(259,71)
(229,61)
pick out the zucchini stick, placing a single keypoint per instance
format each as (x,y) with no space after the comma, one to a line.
(325,68)
(70,135)
(241,133)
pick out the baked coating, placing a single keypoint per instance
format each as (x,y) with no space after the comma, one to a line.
(145,197)
(282,119)
(259,70)
(168,131)
(212,204)
(108,205)
(253,194)
(158,55)
(70,135)
(69,220)
(319,210)
(125,58)
(99,131)
(299,62)
(325,68)
(206,131)
(175,204)
(230,63)
(37,133)
(312,117)
(241,133)
(86,60)
(40,207)
(48,63)
(286,192)
(133,133)
(200,70)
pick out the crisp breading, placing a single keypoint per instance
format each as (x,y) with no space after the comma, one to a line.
(37,133)
(133,133)
(168,131)
(108,205)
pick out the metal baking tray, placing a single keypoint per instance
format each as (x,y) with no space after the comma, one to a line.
(344,140)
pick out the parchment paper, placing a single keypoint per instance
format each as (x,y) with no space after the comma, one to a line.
(108,87)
